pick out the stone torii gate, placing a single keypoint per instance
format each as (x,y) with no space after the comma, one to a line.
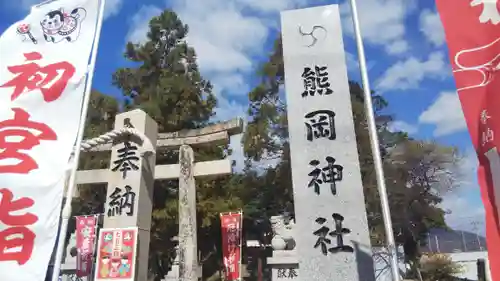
(131,176)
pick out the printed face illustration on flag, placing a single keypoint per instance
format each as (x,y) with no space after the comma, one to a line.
(472,30)
(43,66)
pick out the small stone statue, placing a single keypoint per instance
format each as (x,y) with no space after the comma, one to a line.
(282,233)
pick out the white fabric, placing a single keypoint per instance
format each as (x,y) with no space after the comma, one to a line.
(45,185)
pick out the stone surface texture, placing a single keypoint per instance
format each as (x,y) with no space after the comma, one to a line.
(141,181)
(313,37)
(188,250)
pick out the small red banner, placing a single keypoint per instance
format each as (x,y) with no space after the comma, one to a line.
(85,242)
(232,225)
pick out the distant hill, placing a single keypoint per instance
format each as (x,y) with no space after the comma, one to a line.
(452,241)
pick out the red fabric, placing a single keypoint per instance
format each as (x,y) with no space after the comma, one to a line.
(85,243)
(473,37)
(231,244)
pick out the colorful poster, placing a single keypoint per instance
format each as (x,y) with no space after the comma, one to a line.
(473,38)
(43,67)
(85,243)
(116,254)
(232,224)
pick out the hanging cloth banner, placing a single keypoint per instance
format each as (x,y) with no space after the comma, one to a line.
(43,66)
(473,37)
(232,225)
(86,227)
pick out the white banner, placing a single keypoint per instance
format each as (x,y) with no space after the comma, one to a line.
(44,61)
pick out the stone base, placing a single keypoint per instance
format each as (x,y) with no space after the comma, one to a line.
(173,274)
(283,257)
(284,265)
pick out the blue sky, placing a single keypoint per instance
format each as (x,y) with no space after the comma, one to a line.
(405,48)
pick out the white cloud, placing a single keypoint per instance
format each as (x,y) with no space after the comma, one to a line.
(445,114)
(225,49)
(463,204)
(407,74)
(26,4)
(397,47)
(401,126)
(462,214)
(271,6)
(382,22)
(431,27)
(112,8)
(139,23)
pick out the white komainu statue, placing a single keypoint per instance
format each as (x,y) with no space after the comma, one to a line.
(282,233)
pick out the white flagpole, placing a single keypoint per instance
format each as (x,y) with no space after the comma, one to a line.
(377,159)
(66,213)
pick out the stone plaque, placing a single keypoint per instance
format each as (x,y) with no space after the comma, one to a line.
(285,272)
(331,225)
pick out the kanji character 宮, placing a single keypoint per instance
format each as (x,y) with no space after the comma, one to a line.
(51,79)
(17,240)
(21,126)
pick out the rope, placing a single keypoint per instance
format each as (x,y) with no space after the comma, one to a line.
(108,137)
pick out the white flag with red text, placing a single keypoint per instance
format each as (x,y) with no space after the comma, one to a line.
(43,65)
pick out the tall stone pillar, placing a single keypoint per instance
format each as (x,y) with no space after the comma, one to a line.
(130,187)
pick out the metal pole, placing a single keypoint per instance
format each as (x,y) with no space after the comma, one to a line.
(66,213)
(463,242)
(377,159)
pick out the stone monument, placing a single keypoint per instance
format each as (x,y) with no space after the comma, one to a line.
(331,227)
(130,185)
(131,176)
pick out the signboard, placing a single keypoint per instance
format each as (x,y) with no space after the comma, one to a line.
(232,224)
(116,254)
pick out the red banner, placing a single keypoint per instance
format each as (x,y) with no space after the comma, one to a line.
(473,37)
(116,254)
(85,242)
(232,225)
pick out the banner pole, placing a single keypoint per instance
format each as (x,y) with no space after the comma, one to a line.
(66,212)
(375,145)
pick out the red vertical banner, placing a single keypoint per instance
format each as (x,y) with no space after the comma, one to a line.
(473,37)
(116,254)
(85,243)
(232,225)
